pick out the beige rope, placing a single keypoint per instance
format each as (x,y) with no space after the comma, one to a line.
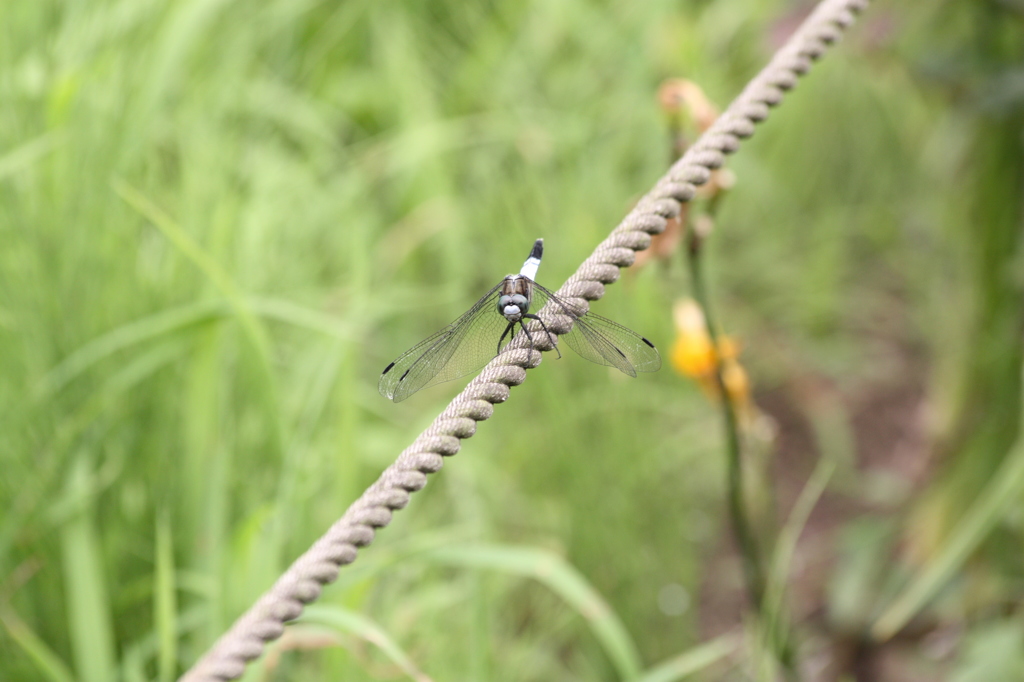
(302,582)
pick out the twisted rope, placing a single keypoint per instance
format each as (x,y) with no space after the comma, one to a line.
(303,581)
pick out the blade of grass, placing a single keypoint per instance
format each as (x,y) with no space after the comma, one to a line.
(1001,492)
(562,579)
(17,159)
(364,628)
(785,548)
(208,266)
(31,497)
(692,660)
(165,603)
(202,379)
(89,622)
(175,320)
(50,665)
(134,333)
(138,654)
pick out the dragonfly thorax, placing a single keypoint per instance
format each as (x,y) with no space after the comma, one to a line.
(514,301)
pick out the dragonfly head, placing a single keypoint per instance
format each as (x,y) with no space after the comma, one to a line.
(513,306)
(516,294)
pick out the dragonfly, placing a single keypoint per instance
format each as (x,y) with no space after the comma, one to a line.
(468,343)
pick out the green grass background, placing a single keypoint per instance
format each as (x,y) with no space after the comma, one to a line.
(220,220)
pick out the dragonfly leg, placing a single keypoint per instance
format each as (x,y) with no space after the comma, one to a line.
(527,332)
(503,335)
(531,316)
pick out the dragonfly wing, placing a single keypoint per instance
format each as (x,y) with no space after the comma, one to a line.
(601,340)
(460,348)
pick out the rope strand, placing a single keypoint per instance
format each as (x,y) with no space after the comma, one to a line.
(304,579)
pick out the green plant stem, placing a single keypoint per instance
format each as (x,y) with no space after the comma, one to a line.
(750,552)
(753,569)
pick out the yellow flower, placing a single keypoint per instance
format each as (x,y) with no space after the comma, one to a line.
(693,355)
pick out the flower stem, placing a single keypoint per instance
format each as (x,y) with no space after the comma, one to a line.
(739,517)
(749,551)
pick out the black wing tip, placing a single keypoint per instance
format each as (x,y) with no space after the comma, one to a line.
(387,369)
(647,341)
(538,249)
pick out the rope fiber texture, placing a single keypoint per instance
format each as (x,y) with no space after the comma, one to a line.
(303,581)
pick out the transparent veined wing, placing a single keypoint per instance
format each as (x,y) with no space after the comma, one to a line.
(464,346)
(468,343)
(597,338)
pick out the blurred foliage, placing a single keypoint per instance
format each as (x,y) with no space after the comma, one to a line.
(220,220)
(987,390)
